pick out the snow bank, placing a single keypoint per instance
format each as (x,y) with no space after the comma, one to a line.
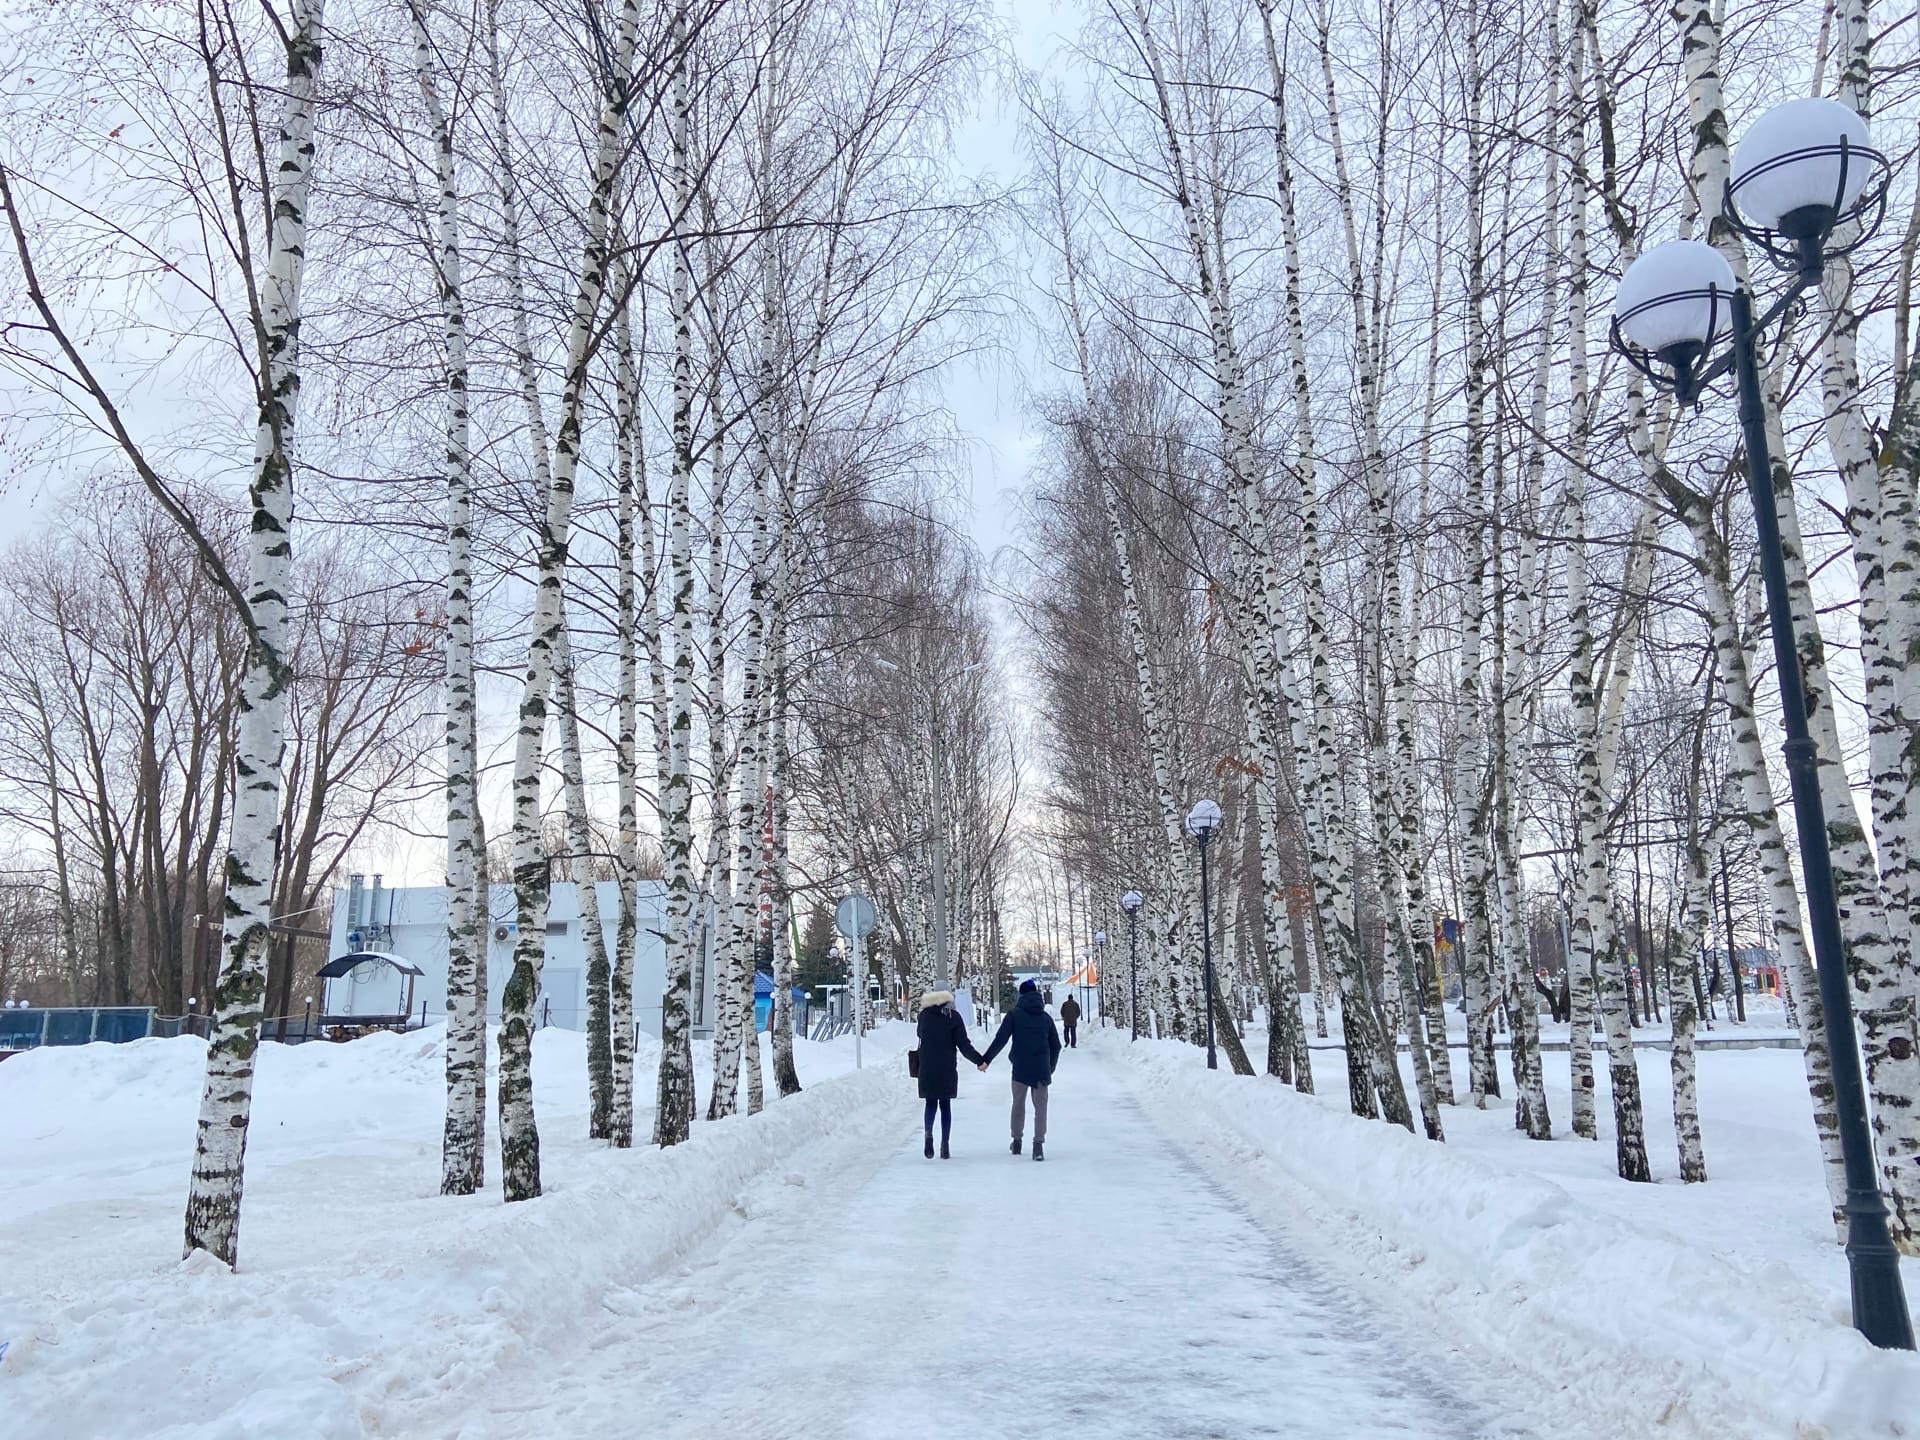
(1624,1324)
(362,1294)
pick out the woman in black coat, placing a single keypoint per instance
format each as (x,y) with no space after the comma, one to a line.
(943,1039)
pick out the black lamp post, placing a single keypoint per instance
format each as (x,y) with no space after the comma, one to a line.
(1100,966)
(1201,822)
(1130,902)
(1804,171)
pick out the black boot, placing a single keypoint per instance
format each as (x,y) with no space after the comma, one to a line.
(1014,1149)
(929,1149)
(943,1146)
(1038,1152)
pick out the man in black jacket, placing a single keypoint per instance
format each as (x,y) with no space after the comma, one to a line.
(1070,1021)
(1035,1053)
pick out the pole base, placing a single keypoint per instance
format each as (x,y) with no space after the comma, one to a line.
(1873,1266)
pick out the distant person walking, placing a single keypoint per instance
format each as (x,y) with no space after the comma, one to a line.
(1070,1019)
(943,1039)
(1035,1053)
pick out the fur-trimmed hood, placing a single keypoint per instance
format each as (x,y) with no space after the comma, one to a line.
(934,999)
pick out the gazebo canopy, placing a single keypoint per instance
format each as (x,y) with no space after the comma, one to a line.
(341,964)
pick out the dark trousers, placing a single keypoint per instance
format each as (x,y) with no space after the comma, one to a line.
(945,1109)
(1073,1034)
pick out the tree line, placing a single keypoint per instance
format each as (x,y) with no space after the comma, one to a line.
(1349,517)
(610,337)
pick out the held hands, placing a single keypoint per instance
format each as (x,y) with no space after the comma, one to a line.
(983,1067)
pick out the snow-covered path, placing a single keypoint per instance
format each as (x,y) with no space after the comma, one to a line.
(1110,1291)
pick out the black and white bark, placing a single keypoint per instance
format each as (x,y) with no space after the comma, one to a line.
(674,1103)
(519,1132)
(463,1143)
(220,1140)
(580,867)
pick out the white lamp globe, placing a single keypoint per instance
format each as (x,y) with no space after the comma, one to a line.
(1099,937)
(1130,901)
(1787,167)
(1665,300)
(1203,817)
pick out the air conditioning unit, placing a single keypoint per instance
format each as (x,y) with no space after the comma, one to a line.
(500,932)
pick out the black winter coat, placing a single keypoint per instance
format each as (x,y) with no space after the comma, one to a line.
(943,1039)
(1036,1044)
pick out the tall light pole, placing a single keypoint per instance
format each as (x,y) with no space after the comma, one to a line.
(1202,820)
(1099,964)
(1130,902)
(1804,171)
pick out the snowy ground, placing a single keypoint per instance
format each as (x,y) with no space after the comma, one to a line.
(1711,1310)
(1110,1291)
(1200,1255)
(361,1292)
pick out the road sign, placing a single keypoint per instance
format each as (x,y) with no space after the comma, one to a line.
(855,916)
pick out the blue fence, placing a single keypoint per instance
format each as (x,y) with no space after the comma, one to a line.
(29,1029)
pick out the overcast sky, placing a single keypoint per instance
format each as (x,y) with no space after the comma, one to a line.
(988,397)
(989,403)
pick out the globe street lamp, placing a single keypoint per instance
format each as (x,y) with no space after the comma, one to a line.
(1201,823)
(1130,902)
(1804,171)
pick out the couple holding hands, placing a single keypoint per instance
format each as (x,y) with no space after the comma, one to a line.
(1035,1051)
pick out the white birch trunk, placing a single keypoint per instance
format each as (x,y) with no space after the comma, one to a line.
(1886,553)
(729,1024)
(673,1110)
(1470,792)
(627,771)
(1747,768)
(580,871)
(463,1142)
(786,1078)
(1579,425)
(1400,969)
(519,1133)
(751,780)
(1593,931)
(752,862)
(1702,844)
(1397,958)
(226,1099)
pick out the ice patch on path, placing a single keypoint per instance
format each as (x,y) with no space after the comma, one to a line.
(1624,1328)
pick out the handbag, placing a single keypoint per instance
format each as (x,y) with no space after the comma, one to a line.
(913,1064)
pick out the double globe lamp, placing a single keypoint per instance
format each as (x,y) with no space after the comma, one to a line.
(1806,188)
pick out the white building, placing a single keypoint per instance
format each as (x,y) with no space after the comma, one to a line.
(412,922)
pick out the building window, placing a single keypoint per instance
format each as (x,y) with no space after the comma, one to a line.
(556,927)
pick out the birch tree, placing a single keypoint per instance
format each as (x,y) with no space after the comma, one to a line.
(519,1134)
(673,1107)
(463,1148)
